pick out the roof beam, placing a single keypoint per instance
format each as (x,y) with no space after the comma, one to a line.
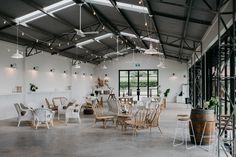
(10,38)
(185,29)
(105,21)
(155,25)
(132,27)
(176,17)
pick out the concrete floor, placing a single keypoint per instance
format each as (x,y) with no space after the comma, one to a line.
(83,140)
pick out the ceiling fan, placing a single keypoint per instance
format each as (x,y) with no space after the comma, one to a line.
(117,53)
(79,31)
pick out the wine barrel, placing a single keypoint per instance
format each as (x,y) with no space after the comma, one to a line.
(199,118)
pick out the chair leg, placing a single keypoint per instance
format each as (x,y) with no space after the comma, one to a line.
(47,125)
(18,123)
(37,125)
(160,129)
(52,123)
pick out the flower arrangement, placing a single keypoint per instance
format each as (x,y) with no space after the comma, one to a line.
(33,87)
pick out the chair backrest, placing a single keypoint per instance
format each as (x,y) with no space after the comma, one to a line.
(153,117)
(146,101)
(140,116)
(48,104)
(153,105)
(43,114)
(59,101)
(113,106)
(74,108)
(98,110)
(18,110)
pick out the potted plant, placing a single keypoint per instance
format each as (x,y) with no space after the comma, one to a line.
(166,93)
(33,87)
(204,117)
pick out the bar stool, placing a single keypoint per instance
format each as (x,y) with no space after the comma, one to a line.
(182,125)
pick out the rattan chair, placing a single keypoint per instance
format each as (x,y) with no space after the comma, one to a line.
(43,116)
(24,113)
(153,119)
(100,116)
(137,121)
(73,112)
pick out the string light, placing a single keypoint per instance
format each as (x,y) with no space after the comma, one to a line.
(140,2)
(49,44)
(4,22)
(22,33)
(94,13)
(59,44)
(68,43)
(37,40)
(103,27)
(145,23)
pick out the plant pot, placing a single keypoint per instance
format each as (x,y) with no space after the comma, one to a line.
(164,102)
(88,111)
(200,118)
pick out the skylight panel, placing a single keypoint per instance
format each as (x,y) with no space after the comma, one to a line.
(85,42)
(132,7)
(128,34)
(30,17)
(49,9)
(59,6)
(100,2)
(121,5)
(103,36)
(150,39)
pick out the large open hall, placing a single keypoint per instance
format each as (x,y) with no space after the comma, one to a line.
(117,78)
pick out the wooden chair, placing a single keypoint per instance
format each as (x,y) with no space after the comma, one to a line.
(153,119)
(100,116)
(138,121)
(51,105)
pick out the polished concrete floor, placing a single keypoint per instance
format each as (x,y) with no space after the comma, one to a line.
(84,140)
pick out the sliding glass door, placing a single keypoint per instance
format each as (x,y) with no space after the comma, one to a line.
(138,83)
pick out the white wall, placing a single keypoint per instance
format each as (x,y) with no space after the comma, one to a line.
(146,62)
(82,85)
(49,84)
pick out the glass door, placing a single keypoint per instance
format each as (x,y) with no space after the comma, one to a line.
(143,84)
(138,83)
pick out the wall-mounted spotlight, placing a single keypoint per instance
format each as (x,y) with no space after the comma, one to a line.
(173,74)
(76,73)
(84,74)
(64,71)
(36,68)
(13,65)
(52,70)
(106,77)
(184,76)
(91,75)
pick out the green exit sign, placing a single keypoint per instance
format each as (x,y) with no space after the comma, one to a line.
(137,65)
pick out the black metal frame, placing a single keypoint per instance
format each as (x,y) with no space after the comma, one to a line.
(148,94)
(218,64)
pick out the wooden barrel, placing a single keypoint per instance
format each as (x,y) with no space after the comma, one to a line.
(199,118)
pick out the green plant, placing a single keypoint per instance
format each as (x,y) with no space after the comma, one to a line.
(213,102)
(33,87)
(167,92)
